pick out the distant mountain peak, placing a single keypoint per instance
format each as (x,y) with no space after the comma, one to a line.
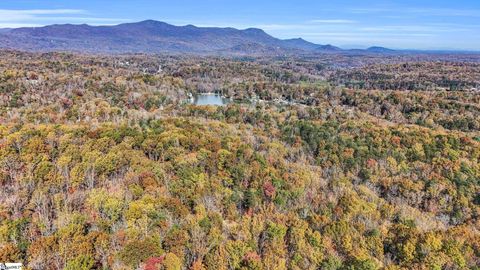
(256,31)
(151,36)
(149,22)
(300,43)
(328,47)
(253,29)
(379,49)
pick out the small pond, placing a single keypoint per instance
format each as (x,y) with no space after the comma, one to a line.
(210,99)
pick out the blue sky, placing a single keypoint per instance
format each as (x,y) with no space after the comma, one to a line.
(421,24)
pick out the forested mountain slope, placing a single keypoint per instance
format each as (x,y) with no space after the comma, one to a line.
(152,37)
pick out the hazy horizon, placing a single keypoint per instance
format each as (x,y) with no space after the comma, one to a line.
(344,46)
(430,25)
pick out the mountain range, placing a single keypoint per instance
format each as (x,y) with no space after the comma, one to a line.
(158,37)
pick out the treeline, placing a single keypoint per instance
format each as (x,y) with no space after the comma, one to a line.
(449,110)
(426,76)
(59,88)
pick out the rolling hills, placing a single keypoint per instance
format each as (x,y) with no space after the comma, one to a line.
(154,37)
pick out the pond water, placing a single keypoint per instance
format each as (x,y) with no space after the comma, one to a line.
(210,99)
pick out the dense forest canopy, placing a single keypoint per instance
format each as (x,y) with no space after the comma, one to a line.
(318,164)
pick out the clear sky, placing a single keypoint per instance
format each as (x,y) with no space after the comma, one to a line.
(415,24)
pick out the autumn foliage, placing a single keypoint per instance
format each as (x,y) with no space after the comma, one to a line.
(104,166)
